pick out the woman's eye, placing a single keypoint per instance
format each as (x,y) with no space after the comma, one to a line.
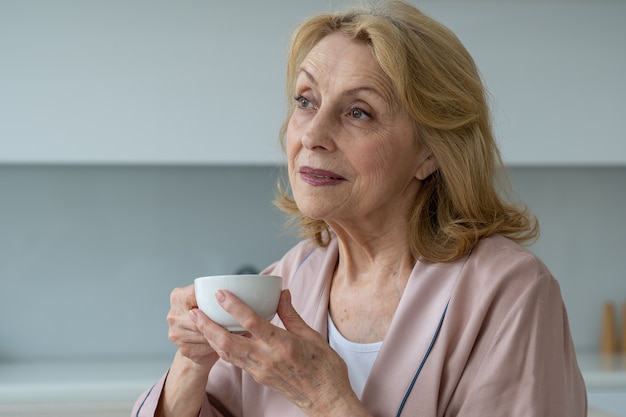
(302,102)
(359,114)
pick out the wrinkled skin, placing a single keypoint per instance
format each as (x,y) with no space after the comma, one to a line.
(295,361)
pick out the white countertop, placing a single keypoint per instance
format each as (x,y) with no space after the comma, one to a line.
(603,371)
(78,381)
(125,380)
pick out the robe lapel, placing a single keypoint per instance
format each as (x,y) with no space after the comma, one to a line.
(412,328)
(411,331)
(310,285)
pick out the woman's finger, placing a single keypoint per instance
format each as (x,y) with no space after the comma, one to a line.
(229,346)
(292,321)
(257,326)
(183,298)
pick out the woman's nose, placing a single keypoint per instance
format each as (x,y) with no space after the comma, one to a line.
(320,133)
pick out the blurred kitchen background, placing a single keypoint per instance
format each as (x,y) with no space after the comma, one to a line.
(139,150)
(90,254)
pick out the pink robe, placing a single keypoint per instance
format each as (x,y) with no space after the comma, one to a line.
(504,347)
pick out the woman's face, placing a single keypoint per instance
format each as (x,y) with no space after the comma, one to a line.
(353,155)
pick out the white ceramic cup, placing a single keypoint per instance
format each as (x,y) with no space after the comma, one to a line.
(259,292)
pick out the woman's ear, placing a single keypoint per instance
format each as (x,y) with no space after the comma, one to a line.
(426,167)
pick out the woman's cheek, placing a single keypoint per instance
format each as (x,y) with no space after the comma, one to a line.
(293,143)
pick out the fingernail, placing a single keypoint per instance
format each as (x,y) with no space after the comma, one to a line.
(220,296)
(193,315)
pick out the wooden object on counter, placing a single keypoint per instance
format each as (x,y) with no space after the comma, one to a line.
(608,340)
(623,347)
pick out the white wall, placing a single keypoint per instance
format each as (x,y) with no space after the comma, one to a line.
(89,255)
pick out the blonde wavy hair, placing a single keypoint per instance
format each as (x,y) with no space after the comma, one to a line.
(437,82)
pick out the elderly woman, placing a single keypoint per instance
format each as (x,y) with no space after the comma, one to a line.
(410,294)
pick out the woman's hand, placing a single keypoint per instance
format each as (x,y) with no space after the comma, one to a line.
(183,332)
(296,362)
(184,389)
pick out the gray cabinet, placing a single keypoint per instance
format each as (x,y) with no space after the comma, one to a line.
(555,75)
(202,82)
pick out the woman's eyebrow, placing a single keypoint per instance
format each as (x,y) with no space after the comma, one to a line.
(307,73)
(357,90)
(385,95)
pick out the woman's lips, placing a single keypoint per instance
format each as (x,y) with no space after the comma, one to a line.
(314,176)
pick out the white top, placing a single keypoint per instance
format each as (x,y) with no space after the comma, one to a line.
(359,357)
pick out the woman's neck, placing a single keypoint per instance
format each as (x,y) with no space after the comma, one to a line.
(372,257)
(367,285)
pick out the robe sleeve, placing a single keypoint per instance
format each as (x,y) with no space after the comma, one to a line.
(533,346)
(147,403)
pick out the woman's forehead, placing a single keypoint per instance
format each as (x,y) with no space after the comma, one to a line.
(338,57)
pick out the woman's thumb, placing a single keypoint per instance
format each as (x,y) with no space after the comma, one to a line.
(288,315)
